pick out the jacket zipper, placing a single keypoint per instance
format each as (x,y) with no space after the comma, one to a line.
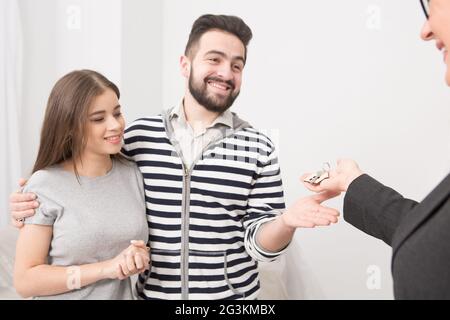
(185,214)
(185,234)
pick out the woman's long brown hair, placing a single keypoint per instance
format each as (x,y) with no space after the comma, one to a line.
(63,131)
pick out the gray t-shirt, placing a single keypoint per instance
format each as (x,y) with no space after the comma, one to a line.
(92,222)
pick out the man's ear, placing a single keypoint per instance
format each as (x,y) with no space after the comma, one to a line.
(185,66)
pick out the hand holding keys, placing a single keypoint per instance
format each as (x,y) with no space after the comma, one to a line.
(320,175)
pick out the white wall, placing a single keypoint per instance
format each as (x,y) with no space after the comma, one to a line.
(325,78)
(10,101)
(141,58)
(330,79)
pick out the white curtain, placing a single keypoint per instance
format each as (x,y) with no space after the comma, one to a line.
(10,85)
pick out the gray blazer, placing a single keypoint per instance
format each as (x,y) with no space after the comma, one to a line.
(419,234)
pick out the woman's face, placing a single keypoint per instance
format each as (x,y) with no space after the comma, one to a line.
(437,27)
(105,125)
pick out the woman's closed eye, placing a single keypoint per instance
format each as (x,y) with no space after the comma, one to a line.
(116,115)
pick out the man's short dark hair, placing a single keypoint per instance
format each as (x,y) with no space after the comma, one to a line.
(231,24)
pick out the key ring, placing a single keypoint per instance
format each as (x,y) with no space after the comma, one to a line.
(320,175)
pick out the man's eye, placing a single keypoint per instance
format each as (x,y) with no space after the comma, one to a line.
(118,114)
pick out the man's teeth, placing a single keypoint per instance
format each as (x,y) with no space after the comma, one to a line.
(216,85)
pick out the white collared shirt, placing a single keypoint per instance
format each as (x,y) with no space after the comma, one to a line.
(192,143)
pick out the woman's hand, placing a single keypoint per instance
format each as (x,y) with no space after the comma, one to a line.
(339,179)
(134,259)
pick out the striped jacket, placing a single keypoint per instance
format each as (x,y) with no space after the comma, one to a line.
(203,220)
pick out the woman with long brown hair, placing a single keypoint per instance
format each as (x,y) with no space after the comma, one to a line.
(77,245)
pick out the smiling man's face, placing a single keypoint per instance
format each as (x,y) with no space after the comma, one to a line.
(215,72)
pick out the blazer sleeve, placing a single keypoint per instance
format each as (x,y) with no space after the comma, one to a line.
(375,208)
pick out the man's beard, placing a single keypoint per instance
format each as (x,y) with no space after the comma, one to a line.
(210,101)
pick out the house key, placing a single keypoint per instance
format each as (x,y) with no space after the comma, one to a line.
(320,175)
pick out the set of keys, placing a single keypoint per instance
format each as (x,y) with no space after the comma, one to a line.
(320,175)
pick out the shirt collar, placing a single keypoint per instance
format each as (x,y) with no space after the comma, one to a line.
(225,118)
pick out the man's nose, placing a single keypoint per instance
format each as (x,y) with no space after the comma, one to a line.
(225,72)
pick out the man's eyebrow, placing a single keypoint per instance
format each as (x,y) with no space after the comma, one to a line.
(222,54)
